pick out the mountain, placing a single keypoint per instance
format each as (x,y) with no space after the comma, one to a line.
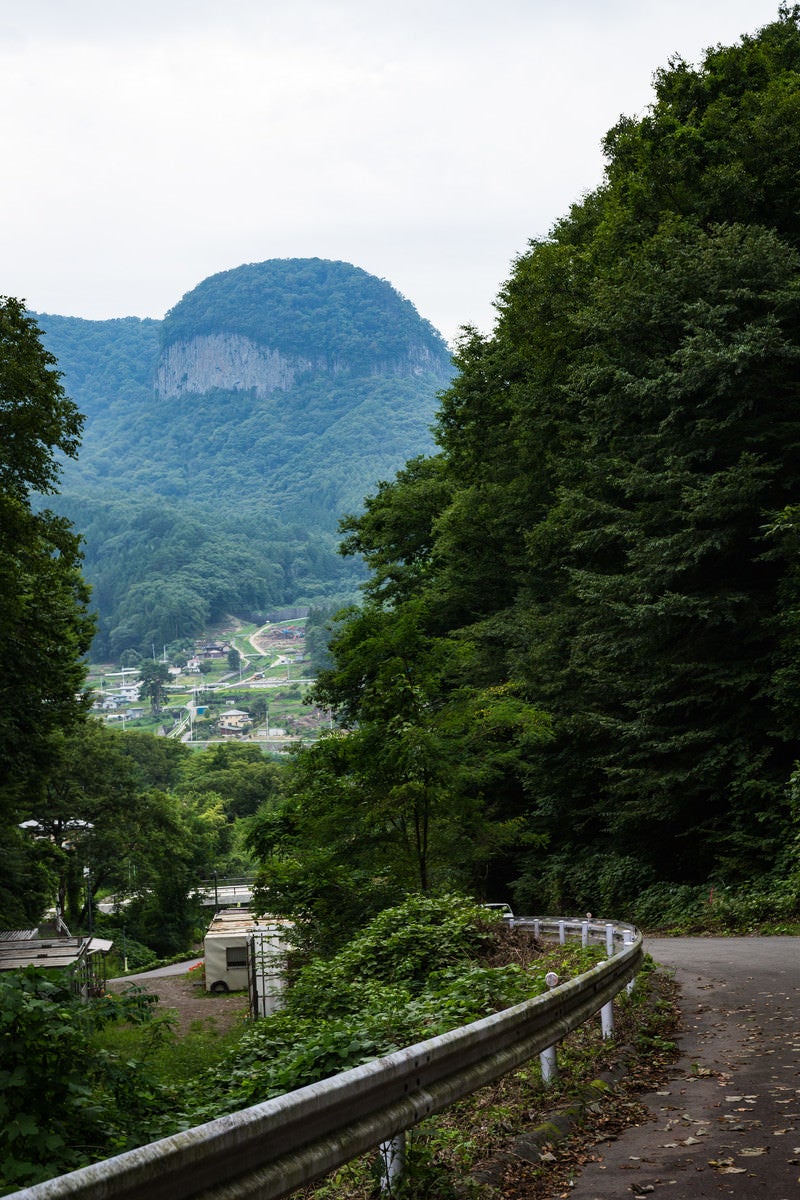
(223,443)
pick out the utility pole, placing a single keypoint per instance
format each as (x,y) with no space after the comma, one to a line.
(87,875)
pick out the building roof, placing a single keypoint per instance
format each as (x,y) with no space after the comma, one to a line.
(58,952)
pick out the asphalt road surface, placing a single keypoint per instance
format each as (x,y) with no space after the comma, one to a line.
(173,969)
(728,1123)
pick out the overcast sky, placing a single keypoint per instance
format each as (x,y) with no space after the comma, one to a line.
(147,145)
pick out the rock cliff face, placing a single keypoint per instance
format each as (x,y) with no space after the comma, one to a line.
(227,361)
(234,363)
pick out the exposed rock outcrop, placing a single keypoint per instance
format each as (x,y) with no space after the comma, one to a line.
(232,362)
(227,361)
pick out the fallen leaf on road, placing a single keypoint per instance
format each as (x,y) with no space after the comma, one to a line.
(752,1151)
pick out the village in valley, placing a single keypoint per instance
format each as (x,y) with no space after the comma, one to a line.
(241,682)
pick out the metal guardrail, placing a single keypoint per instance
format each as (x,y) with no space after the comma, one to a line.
(266,1151)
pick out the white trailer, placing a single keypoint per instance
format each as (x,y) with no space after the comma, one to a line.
(244,951)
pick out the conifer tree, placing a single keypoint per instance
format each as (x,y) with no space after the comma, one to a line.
(603,528)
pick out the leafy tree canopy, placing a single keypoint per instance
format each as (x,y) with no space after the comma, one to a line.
(44,625)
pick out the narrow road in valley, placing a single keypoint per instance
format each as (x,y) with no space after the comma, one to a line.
(728,1123)
(159,972)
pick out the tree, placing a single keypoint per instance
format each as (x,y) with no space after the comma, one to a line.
(657,645)
(239,774)
(404,797)
(45,626)
(153,678)
(652,606)
(107,808)
(179,840)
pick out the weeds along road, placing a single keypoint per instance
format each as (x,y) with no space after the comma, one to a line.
(728,1123)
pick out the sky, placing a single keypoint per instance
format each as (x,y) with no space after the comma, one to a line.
(146,146)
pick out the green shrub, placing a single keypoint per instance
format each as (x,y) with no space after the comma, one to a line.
(62,1103)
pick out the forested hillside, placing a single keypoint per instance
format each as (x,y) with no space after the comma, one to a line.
(575,669)
(222,445)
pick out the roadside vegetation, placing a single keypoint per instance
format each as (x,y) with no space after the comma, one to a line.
(117,1076)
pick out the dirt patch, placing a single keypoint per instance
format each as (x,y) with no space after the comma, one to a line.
(191,1002)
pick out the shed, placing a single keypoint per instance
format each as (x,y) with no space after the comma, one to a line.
(20,948)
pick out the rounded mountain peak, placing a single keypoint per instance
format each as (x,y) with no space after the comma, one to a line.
(329,314)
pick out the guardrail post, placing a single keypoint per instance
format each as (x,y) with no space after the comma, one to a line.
(393,1161)
(607,1011)
(548,1060)
(562,932)
(607,1019)
(585,934)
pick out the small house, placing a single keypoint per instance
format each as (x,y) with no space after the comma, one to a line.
(234,721)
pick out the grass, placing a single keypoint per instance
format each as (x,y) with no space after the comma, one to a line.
(172,1059)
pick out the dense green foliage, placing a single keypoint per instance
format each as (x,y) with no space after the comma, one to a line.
(606,534)
(149,819)
(238,773)
(63,1103)
(111,804)
(161,573)
(108,364)
(44,625)
(216,501)
(410,796)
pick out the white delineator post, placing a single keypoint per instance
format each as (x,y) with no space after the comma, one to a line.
(393,1161)
(547,1059)
(607,1011)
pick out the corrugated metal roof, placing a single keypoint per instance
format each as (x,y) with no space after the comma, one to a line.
(41,952)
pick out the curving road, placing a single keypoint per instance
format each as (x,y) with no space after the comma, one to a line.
(173,969)
(728,1124)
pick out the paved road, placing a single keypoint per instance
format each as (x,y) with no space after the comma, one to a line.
(173,969)
(728,1124)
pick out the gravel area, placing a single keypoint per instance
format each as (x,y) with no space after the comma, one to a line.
(188,998)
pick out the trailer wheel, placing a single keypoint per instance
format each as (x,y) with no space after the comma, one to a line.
(219,985)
